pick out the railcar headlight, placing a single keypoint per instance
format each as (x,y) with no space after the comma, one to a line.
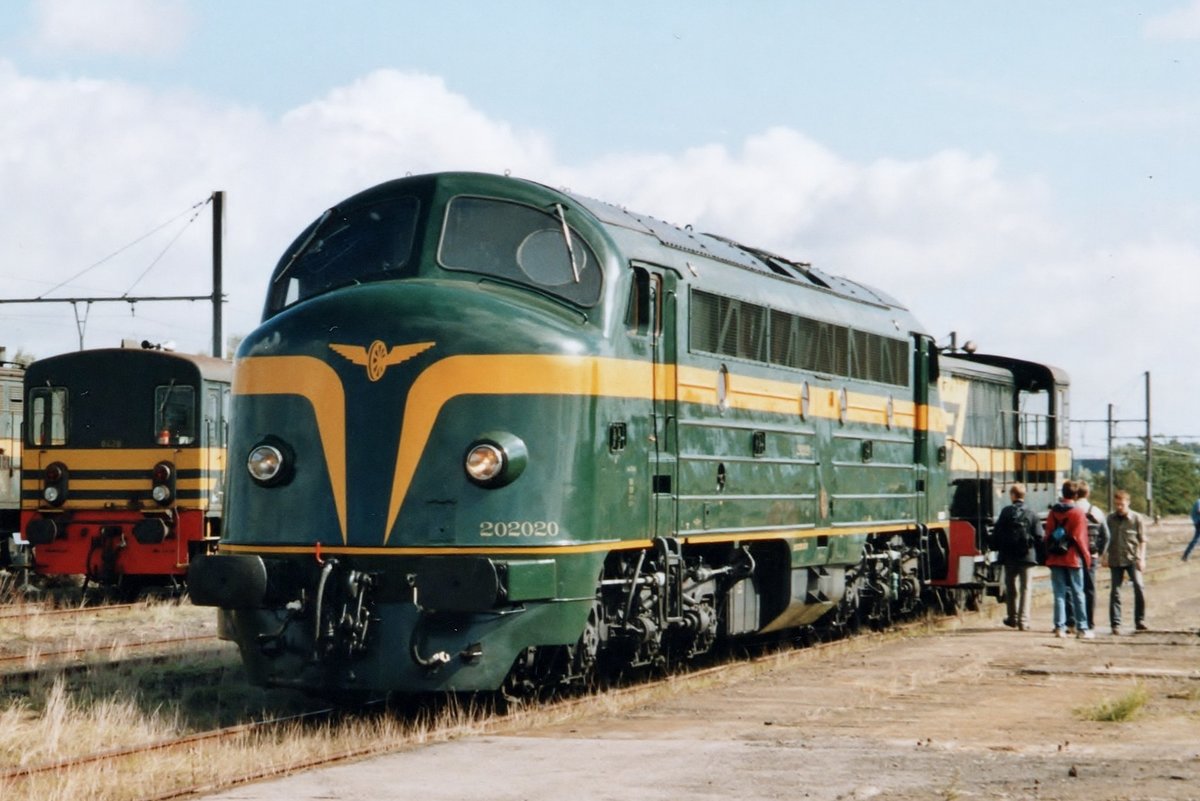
(495,459)
(162,483)
(55,480)
(270,463)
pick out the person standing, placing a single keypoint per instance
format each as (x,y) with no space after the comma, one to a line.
(1067,556)
(1195,537)
(1015,538)
(1126,557)
(1097,545)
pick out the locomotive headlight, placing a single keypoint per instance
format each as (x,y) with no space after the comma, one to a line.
(264,462)
(495,459)
(270,462)
(484,462)
(50,494)
(161,493)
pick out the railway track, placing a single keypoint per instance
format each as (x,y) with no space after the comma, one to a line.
(75,652)
(10,679)
(212,754)
(80,644)
(114,755)
(423,725)
(25,610)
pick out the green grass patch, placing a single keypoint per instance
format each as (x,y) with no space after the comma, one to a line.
(1117,710)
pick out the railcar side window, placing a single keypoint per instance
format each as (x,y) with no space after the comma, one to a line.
(1062,412)
(370,242)
(988,412)
(727,326)
(48,416)
(1034,419)
(521,244)
(175,414)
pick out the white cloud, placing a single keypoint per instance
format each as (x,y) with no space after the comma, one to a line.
(113,27)
(390,121)
(1178,23)
(966,245)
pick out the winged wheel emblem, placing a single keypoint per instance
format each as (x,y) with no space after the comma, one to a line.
(379,357)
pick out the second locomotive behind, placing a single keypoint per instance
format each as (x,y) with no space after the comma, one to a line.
(124,464)
(491,435)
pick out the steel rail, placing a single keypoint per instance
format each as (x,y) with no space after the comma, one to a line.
(160,745)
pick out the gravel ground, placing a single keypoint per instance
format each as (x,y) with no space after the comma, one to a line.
(966,709)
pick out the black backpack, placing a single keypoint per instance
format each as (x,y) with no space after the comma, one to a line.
(1013,535)
(1059,543)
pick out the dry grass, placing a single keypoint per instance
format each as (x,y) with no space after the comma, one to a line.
(148,706)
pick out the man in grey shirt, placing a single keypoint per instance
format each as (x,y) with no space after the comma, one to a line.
(1126,556)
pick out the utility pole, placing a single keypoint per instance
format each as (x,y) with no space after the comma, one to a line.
(1149,458)
(1111,423)
(1111,478)
(217,297)
(218,219)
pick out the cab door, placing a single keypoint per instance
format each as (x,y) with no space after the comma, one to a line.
(659,291)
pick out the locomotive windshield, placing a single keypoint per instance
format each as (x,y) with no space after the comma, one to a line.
(521,244)
(370,242)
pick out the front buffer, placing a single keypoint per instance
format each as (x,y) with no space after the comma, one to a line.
(348,625)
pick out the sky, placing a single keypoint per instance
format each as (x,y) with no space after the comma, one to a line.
(1022,173)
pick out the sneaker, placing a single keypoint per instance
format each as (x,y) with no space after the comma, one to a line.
(1142,627)
(1060,633)
(1116,630)
(1023,627)
(1070,628)
(1008,621)
(1087,634)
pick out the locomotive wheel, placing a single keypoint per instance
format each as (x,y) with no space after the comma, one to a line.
(586,652)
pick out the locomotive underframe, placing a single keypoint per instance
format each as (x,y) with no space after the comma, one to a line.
(458,623)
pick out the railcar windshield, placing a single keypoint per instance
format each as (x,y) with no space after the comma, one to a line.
(521,244)
(48,416)
(368,242)
(175,414)
(121,411)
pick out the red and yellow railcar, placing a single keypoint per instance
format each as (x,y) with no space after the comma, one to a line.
(124,463)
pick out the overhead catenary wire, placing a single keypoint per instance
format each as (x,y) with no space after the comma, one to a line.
(196,209)
(193,210)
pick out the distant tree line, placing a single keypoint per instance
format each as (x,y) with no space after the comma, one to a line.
(1176,477)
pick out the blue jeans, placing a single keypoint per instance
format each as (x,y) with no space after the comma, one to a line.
(1067,584)
(1195,539)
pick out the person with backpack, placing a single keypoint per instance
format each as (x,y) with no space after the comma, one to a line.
(1097,545)
(1067,556)
(1015,538)
(1126,557)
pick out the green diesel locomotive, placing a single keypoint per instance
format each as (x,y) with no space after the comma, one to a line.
(491,435)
